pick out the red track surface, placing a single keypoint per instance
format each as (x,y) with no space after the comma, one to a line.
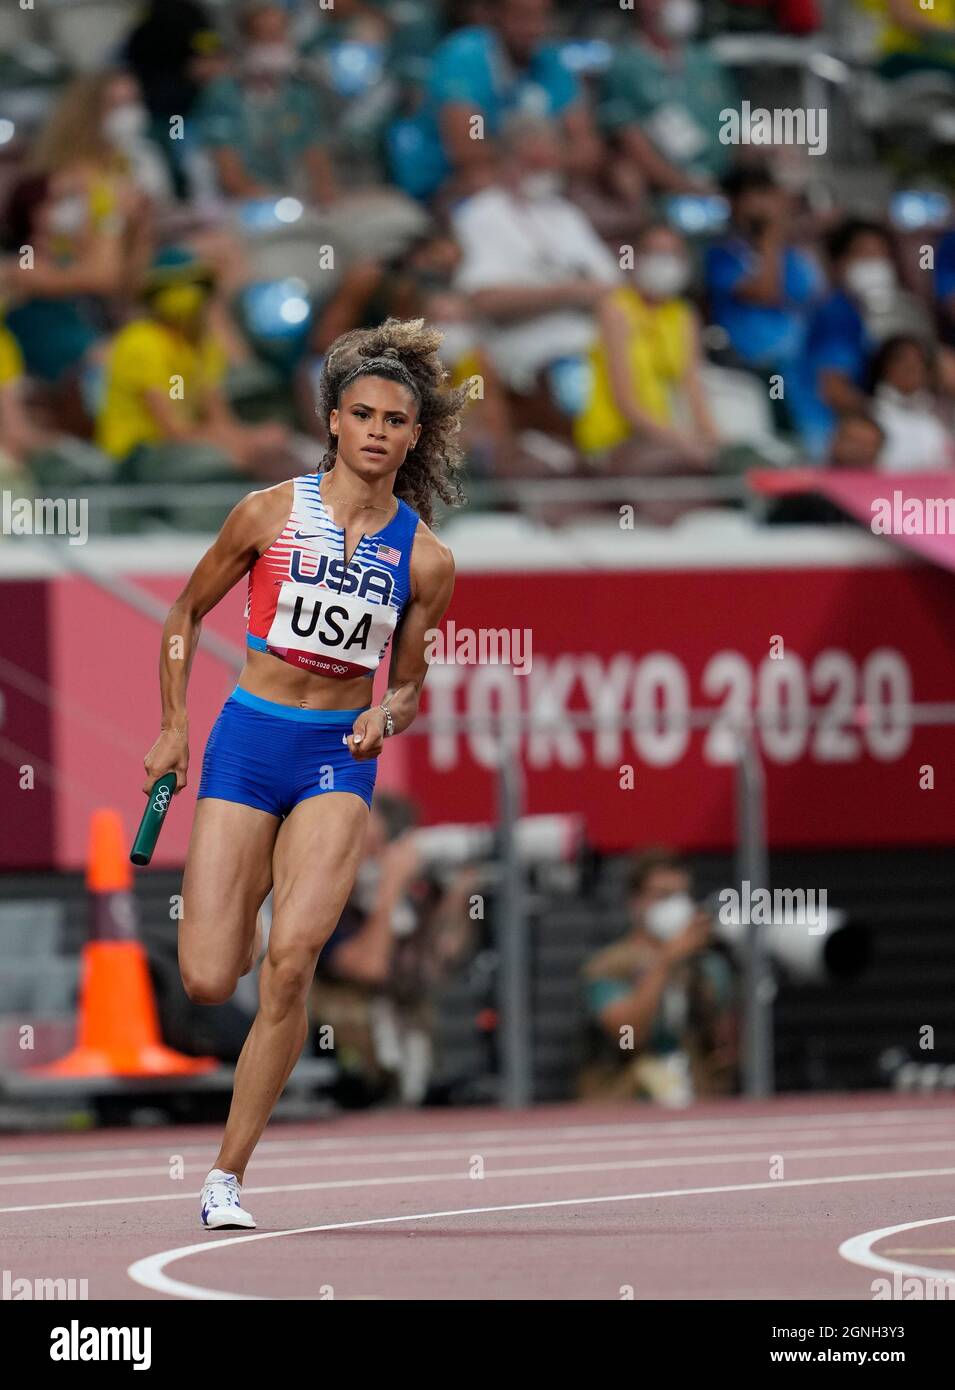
(576,1202)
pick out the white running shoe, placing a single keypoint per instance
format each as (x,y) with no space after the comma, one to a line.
(220,1204)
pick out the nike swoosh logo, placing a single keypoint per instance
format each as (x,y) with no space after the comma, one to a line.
(307,536)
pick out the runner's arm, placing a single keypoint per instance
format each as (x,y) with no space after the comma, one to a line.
(432,578)
(248,528)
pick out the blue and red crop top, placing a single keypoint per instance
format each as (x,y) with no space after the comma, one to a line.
(304,605)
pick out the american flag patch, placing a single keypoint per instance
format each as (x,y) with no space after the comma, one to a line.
(388,555)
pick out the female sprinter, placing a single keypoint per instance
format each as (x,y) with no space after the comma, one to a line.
(337,562)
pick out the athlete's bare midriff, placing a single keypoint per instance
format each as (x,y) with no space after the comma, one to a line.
(271,678)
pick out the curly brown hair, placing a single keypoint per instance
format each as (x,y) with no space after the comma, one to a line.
(404,350)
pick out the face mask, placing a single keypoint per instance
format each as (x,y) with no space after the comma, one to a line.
(916,398)
(661,275)
(668,917)
(68,215)
(872,280)
(179,304)
(458,340)
(542,185)
(680,19)
(270,59)
(124,124)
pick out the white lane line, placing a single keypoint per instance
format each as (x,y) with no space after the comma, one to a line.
(351,1160)
(650,1127)
(150,1271)
(858,1250)
(463,1174)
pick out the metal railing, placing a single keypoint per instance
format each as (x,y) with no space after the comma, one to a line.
(111,508)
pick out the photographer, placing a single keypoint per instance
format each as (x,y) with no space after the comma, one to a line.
(660,1001)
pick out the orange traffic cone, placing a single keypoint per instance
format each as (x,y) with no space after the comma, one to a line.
(118,1032)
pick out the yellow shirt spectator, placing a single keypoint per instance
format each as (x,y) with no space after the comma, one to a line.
(11,358)
(149,356)
(896,39)
(659,353)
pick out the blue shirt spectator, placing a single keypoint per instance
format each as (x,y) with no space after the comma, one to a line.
(473,68)
(662,97)
(838,338)
(268,137)
(838,341)
(762,290)
(945,266)
(264,127)
(945,286)
(841,341)
(763,335)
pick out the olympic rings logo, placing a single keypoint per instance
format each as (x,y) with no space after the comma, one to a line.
(162,799)
(339,670)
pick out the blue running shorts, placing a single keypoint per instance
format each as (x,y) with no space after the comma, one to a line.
(273,756)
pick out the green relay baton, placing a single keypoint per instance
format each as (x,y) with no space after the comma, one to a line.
(160,799)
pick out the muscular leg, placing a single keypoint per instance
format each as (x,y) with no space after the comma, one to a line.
(227,878)
(316,857)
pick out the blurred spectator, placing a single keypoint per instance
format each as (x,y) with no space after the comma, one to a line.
(352,57)
(19,434)
(264,126)
(660,1001)
(97,138)
(945,287)
(646,389)
(509,64)
(487,428)
(857,442)
(845,328)
(371,291)
(533,267)
(762,288)
(419,283)
(917,424)
(109,184)
(172,49)
(378,972)
(164,414)
(32,452)
(89,222)
(59,281)
(916,37)
(662,96)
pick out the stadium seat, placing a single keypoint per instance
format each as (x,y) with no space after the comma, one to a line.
(30,74)
(276,259)
(34,978)
(68,464)
(86,33)
(45,988)
(739,404)
(30,929)
(17,27)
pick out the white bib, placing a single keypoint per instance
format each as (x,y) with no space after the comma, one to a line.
(329,633)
